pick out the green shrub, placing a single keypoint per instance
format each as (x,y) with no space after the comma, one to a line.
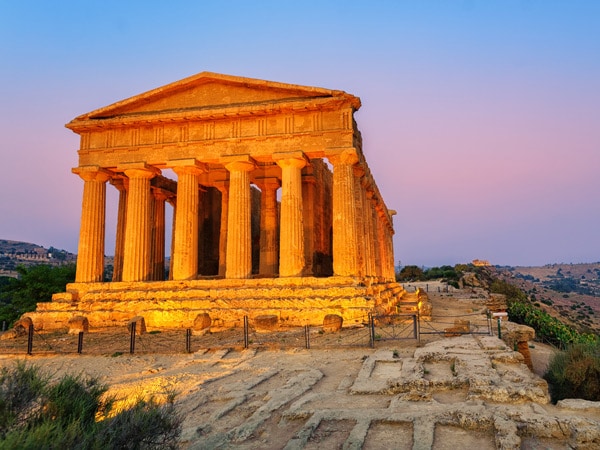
(38,414)
(547,327)
(575,373)
(20,392)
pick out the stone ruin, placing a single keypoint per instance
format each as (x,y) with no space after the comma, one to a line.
(275,209)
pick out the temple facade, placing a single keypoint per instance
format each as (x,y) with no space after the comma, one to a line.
(273,204)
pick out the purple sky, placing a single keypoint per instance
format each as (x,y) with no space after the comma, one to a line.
(480,119)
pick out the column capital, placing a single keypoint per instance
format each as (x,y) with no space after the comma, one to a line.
(221,185)
(92,173)
(241,163)
(343,156)
(268,183)
(138,170)
(359,171)
(290,159)
(189,165)
(119,183)
(161,194)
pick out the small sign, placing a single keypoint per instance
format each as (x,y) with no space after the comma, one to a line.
(500,314)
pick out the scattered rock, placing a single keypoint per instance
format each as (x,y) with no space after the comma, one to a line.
(332,323)
(202,324)
(266,323)
(21,326)
(140,325)
(78,324)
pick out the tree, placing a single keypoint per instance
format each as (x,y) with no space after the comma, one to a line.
(34,285)
(410,273)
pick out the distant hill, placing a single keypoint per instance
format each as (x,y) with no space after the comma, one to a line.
(568,291)
(15,253)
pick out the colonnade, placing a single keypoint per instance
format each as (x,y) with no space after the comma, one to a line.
(339,217)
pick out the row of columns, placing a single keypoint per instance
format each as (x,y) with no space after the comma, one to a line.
(362,244)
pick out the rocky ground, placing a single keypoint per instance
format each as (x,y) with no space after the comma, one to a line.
(468,391)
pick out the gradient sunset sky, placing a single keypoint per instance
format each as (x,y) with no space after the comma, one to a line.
(480,119)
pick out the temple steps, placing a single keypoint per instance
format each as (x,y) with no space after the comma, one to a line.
(175,304)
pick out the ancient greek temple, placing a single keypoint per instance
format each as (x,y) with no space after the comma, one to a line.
(275,210)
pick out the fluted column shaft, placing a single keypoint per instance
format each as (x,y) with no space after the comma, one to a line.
(310,220)
(361,239)
(239,233)
(390,260)
(224,189)
(90,253)
(384,248)
(375,258)
(158,236)
(185,255)
(345,249)
(173,203)
(269,239)
(121,186)
(291,234)
(136,260)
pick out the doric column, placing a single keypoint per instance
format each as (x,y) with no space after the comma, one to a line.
(383,242)
(390,236)
(158,235)
(136,259)
(375,258)
(361,243)
(345,249)
(309,218)
(90,253)
(239,227)
(185,255)
(173,202)
(121,185)
(269,237)
(291,234)
(223,188)
(367,223)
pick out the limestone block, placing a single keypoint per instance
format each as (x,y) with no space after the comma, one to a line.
(202,324)
(513,333)
(579,404)
(9,334)
(21,326)
(460,327)
(140,325)
(523,349)
(78,324)
(264,323)
(332,323)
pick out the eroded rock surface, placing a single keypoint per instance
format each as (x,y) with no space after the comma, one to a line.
(469,392)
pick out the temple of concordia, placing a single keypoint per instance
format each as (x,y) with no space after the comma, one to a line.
(275,210)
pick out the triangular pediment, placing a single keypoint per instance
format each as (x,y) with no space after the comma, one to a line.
(209,90)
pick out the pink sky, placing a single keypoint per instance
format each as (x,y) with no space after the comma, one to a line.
(480,119)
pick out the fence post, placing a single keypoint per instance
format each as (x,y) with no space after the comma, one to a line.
(418,318)
(132,339)
(307,336)
(371,331)
(188,340)
(80,342)
(246,332)
(30,340)
(415,332)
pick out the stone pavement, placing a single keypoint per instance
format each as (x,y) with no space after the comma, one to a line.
(468,391)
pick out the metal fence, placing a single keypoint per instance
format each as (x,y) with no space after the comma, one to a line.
(371,331)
